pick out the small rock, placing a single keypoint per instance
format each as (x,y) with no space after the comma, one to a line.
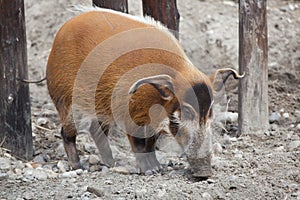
(286,115)
(228,140)
(218,163)
(297,112)
(274,117)
(85,163)
(85,196)
(3,176)
(42,121)
(28,195)
(39,159)
(100,192)
(298,126)
(60,150)
(207,196)
(5,164)
(226,117)
(120,170)
(40,175)
(70,174)
(210,181)
(217,147)
(94,159)
(105,169)
(95,168)
(79,171)
(280,148)
(18,171)
(28,165)
(51,174)
(90,148)
(294,145)
(28,174)
(108,182)
(296,194)
(161,193)
(63,166)
(19,165)
(267,133)
(291,7)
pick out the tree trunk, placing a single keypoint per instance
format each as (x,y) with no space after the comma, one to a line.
(253,58)
(15,116)
(119,5)
(164,11)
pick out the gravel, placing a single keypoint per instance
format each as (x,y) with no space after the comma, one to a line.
(252,166)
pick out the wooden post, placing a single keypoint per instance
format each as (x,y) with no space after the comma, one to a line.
(164,11)
(119,5)
(253,58)
(15,116)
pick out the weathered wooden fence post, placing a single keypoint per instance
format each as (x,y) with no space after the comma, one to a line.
(15,116)
(253,58)
(119,5)
(164,11)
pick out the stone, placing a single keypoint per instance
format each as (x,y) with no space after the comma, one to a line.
(274,117)
(28,195)
(210,181)
(161,193)
(51,174)
(28,165)
(70,174)
(228,140)
(42,121)
(17,171)
(3,176)
(60,150)
(291,7)
(28,173)
(278,149)
(40,175)
(63,166)
(223,117)
(297,113)
(105,169)
(217,147)
(120,170)
(5,164)
(79,171)
(90,148)
(95,168)
(294,145)
(207,196)
(108,182)
(39,159)
(94,160)
(298,126)
(285,115)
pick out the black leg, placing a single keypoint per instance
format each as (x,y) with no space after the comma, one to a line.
(70,148)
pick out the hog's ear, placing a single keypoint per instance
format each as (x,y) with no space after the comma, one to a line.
(219,78)
(163,83)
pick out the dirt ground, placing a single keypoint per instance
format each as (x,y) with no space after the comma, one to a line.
(260,166)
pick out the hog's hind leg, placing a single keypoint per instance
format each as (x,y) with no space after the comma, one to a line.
(69,141)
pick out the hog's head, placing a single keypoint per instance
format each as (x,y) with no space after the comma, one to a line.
(189,110)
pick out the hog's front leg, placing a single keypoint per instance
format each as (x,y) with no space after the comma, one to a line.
(144,151)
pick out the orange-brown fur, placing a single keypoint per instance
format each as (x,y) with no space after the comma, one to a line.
(79,36)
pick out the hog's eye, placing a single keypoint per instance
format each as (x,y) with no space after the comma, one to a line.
(188,112)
